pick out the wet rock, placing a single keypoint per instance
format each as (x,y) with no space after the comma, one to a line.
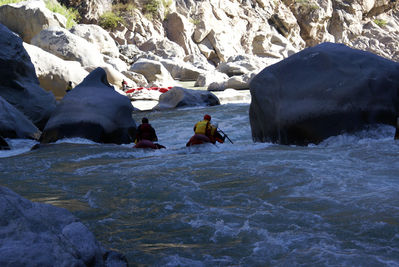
(92,110)
(181,97)
(14,124)
(321,92)
(37,234)
(3,144)
(19,85)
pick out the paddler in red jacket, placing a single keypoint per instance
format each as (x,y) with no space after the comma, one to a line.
(146,136)
(145,131)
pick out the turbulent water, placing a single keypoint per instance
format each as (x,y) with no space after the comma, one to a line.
(241,204)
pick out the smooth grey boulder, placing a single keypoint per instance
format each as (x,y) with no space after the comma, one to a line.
(53,72)
(323,91)
(19,84)
(153,71)
(92,110)
(68,46)
(37,234)
(181,70)
(28,18)
(14,124)
(181,97)
(97,36)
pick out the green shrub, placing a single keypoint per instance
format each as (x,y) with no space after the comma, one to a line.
(151,7)
(307,4)
(195,21)
(71,14)
(121,8)
(167,3)
(110,20)
(380,22)
(6,2)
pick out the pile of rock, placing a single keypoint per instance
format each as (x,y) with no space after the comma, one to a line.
(44,235)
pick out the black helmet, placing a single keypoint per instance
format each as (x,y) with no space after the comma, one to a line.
(144,120)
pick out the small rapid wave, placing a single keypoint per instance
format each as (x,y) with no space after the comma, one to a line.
(241,204)
(371,134)
(17,147)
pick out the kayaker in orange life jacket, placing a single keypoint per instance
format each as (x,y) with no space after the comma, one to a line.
(205,132)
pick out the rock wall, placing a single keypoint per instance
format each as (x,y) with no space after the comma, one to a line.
(220,29)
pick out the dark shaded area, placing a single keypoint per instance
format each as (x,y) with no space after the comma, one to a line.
(19,84)
(323,91)
(3,144)
(92,110)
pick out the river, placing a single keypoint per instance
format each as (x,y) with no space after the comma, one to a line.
(241,204)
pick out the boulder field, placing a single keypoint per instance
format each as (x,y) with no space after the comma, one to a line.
(323,91)
(92,110)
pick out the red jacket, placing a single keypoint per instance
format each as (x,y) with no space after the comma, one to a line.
(145,131)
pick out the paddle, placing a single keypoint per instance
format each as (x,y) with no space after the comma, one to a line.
(220,130)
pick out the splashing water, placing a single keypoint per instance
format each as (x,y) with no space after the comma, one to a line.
(244,204)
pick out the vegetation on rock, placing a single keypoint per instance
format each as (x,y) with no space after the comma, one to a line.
(151,8)
(6,2)
(380,22)
(110,20)
(71,14)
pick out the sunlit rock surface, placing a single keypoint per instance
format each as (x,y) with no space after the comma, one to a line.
(181,97)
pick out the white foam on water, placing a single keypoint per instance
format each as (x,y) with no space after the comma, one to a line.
(91,199)
(373,134)
(76,140)
(107,155)
(176,260)
(17,147)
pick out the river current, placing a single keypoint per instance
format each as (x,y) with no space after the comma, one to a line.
(241,204)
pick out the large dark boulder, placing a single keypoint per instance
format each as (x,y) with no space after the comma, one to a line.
(19,84)
(37,234)
(3,144)
(14,124)
(181,97)
(92,110)
(323,91)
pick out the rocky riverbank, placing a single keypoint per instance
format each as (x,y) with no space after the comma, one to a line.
(193,40)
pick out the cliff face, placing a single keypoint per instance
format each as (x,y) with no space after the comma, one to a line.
(217,30)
